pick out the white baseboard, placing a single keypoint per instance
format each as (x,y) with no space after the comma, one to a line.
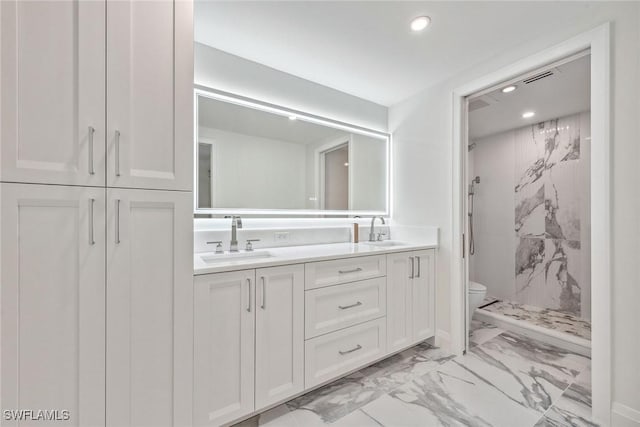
(443,340)
(624,416)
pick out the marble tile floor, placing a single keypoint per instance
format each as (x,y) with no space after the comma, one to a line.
(504,380)
(544,317)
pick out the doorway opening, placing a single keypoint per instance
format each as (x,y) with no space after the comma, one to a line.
(204,171)
(528,205)
(595,43)
(334,177)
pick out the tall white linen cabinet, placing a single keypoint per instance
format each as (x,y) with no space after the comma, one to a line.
(96,229)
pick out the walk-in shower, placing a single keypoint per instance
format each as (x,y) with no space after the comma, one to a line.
(530,218)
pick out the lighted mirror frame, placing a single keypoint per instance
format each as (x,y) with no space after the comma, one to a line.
(202,91)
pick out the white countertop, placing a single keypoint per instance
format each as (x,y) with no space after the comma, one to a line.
(301,254)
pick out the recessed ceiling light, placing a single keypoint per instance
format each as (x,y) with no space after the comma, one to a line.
(420,23)
(293,118)
(528,114)
(509,89)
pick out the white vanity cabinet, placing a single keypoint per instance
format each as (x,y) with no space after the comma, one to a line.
(150,94)
(224,347)
(149,308)
(266,335)
(52,99)
(53,300)
(248,338)
(66,65)
(97,281)
(410,298)
(423,304)
(279,333)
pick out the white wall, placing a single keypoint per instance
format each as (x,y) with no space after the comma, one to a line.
(253,172)
(422,129)
(220,70)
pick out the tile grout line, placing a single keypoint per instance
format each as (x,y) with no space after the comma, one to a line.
(371,416)
(544,414)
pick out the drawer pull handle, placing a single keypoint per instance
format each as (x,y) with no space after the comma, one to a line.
(344,307)
(356,348)
(355,270)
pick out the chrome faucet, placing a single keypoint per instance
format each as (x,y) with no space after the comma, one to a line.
(372,235)
(236,222)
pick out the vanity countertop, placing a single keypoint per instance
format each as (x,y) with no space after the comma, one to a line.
(300,254)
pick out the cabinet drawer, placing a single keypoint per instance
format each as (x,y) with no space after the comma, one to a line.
(335,307)
(326,273)
(331,355)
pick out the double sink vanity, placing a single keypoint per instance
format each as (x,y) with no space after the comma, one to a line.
(272,323)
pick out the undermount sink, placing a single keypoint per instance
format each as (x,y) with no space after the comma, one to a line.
(232,256)
(385,243)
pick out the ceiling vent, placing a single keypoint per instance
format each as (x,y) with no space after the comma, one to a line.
(476,104)
(538,77)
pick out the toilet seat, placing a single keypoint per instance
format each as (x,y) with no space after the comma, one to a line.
(476,288)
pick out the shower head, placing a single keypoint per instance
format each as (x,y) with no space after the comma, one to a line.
(471,146)
(474,181)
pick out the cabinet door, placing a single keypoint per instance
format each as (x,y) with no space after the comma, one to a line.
(279,333)
(224,332)
(52,293)
(399,317)
(423,298)
(150,94)
(53,95)
(149,307)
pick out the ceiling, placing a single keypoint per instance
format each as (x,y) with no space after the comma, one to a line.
(566,91)
(230,117)
(366,48)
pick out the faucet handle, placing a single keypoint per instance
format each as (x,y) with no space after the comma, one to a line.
(380,235)
(249,246)
(218,245)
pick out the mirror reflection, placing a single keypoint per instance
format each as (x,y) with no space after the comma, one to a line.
(248,158)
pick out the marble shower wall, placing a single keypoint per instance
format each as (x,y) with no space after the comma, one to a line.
(550,226)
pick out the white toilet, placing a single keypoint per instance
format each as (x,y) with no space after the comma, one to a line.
(477,292)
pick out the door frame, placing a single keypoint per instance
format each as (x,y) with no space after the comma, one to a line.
(598,41)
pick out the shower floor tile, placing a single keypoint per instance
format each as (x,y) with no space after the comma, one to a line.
(543,317)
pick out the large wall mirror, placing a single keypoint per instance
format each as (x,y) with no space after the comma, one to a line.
(257,158)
